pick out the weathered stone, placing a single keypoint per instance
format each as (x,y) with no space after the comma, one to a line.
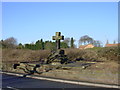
(58,37)
(56,58)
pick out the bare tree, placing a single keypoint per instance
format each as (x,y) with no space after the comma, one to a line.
(10,42)
(85,39)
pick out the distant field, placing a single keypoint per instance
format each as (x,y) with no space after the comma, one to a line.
(105,70)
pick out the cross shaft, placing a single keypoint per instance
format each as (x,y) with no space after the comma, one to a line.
(58,37)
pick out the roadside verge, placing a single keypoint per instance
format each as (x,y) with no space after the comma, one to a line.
(64,81)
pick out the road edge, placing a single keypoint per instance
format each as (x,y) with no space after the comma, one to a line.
(64,81)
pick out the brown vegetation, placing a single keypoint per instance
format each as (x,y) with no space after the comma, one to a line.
(23,55)
(101,72)
(105,71)
(95,54)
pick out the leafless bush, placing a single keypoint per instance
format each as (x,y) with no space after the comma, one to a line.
(99,54)
(74,53)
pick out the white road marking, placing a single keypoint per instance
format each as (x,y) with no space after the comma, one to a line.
(12,88)
(65,81)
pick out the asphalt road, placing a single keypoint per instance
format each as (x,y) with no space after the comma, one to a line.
(15,82)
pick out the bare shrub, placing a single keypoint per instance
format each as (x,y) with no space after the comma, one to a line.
(74,53)
(99,54)
(110,53)
(24,54)
(103,54)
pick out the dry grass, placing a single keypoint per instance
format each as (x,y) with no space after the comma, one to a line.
(103,72)
(11,56)
(23,55)
(103,54)
(95,54)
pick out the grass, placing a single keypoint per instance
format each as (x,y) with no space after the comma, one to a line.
(23,55)
(97,53)
(103,54)
(105,70)
(99,74)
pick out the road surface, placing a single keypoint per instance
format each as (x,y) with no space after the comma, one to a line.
(16,82)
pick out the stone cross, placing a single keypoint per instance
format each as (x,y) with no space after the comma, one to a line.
(58,37)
